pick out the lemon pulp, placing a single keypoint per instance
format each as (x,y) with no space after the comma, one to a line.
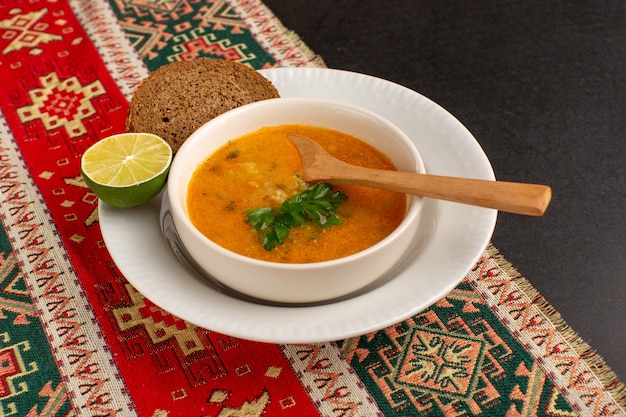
(127,169)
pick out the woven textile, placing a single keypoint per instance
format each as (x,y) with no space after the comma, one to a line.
(76,339)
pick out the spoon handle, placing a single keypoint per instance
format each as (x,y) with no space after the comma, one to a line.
(513,197)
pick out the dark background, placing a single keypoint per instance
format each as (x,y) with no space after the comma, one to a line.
(541,85)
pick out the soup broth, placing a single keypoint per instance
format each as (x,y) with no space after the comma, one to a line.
(261,169)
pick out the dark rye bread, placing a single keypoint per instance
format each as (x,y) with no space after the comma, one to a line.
(178,98)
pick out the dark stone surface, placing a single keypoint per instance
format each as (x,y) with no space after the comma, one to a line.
(541,85)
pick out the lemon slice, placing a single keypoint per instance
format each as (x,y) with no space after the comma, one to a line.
(128,169)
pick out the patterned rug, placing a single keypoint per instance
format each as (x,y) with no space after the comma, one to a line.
(77,340)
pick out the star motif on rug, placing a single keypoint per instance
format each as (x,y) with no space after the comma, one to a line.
(62,104)
(443,363)
(26,31)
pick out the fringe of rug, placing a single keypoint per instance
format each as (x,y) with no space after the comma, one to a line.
(264,25)
(314,59)
(605,375)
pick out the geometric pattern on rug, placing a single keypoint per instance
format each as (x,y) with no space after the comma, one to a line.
(454,358)
(146,329)
(571,364)
(439,363)
(180,30)
(61,104)
(30,382)
(329,380)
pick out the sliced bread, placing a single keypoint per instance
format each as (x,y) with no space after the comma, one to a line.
(178,98)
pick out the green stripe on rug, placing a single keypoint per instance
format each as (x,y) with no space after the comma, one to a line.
(28,371)
(162,34)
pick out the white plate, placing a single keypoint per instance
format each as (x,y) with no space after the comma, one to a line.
(451,237)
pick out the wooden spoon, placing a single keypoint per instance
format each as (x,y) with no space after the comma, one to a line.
(529,199)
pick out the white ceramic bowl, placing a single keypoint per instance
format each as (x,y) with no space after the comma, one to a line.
(293,283)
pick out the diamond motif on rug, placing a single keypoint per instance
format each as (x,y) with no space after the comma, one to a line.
(26,31)
(441,363)
(62,104)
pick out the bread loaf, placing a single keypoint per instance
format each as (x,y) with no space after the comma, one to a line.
(178,98)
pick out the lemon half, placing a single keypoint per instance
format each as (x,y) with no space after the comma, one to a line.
(128,169)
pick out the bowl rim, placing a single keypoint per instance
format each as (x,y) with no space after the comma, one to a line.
(412,214)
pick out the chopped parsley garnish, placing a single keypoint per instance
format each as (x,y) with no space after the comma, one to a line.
(318,204)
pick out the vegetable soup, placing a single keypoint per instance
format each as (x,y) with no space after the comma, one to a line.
(261,169)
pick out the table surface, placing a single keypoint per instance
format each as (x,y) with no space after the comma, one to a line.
(541,85)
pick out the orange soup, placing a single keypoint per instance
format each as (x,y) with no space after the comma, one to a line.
(261,169)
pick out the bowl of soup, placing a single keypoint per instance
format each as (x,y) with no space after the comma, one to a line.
(245,216)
